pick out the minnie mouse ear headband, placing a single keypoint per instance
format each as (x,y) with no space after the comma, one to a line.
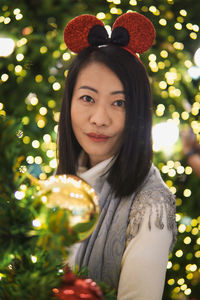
(132,31)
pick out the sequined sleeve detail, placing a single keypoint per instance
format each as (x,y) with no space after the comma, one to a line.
(159,200)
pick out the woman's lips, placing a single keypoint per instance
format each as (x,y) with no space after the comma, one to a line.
(97,137)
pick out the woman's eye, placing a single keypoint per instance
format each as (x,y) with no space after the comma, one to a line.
(86,98)
(120,103)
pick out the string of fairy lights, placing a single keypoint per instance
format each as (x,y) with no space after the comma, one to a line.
(167,86)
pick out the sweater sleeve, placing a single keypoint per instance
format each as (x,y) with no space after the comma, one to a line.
(145,260)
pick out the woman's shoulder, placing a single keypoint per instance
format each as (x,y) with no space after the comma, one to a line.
(155,197)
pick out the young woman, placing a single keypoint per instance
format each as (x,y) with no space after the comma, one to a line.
(105,138)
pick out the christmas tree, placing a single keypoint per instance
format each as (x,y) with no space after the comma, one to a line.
(34,62)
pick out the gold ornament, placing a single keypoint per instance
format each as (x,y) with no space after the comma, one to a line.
(72,195)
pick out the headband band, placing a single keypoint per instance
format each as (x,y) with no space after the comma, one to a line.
(132,31)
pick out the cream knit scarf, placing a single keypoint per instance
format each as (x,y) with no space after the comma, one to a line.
(102,252)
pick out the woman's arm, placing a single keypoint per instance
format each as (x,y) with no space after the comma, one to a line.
(144,262)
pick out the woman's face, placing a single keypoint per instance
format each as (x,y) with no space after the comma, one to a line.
(98,111)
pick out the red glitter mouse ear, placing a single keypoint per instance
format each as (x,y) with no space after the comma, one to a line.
(77,33)
(140,30)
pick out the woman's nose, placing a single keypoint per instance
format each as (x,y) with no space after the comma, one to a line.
(100,116)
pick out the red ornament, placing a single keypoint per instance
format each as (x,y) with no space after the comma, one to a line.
(76,289)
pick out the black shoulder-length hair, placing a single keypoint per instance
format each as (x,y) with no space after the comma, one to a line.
(134,158)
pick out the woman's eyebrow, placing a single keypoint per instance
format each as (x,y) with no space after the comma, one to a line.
(88,88)
(94,90)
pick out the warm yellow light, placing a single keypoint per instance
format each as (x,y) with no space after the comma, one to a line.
(178,26)
(181,228)
(188,64)
(152,57)
(63,46)
(175,115)
(152,9)
(41,123)
(165,169)
(185,115)
(195,28)
(66,56)
(16,11)
(187,240)
(101,15)
(181,281)
(113,10)
(193,35)
(187,193)
(178,217)
(187,292)
(19,57)
(178,201)
(193,268)
(30,159)
(163,22)
(198,241)
(173,189)
(189,26)
(53,163)
(7,20)
(38,160)
(34,100)
(133,2)
(178,46)
(18,17)
(42,176)
(18,69)
(164,54)
(43,49)
(188,170)
(4,77)
(183,12)
(195,231)
(180,170)
(169,265)
(56,86)
(180,19)
(34,259)
(38,78)
(183,287)
(47,169)
(2,19)
(47,138)
(171,172)
(189,276)
(161,65)
(197,254)
(36,144)
(51,103)
(171,281)
(26,139)
(50,153)
(163,85)
(56,129)
(56,54)
(43,111)
(66,73)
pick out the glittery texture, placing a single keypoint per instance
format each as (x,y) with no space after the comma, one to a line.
(77,30)
(137,37)
(141,31)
